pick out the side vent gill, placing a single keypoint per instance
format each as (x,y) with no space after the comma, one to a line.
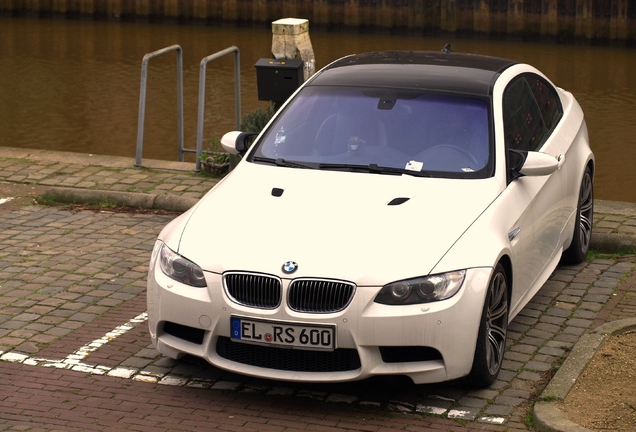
(398,201)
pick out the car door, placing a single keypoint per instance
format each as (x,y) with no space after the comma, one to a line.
(531,112)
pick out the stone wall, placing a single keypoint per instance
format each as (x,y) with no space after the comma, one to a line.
(566,20)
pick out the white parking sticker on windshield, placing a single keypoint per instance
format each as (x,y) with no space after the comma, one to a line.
(414,166)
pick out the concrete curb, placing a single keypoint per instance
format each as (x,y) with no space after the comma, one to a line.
(613,243)
(138,200)
(547,416)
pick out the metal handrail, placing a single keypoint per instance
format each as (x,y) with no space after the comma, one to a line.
(142,99)
(237,95)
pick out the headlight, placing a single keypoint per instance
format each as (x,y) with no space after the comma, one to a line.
(422,290)
(180,269)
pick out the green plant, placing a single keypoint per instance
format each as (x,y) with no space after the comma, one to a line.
(220,158)
(253,121)
(213,146)
(215,152)
(529,418)
(256,120)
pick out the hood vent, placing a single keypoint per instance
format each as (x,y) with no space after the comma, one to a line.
(398,201)
(277,192)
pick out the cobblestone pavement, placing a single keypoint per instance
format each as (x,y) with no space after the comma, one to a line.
(75,353)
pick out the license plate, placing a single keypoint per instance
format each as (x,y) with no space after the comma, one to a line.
(284,335)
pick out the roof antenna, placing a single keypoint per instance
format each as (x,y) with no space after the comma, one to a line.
(447,48)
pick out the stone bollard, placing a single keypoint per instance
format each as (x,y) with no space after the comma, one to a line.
(290,40)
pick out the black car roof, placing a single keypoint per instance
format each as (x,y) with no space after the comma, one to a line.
(436,71)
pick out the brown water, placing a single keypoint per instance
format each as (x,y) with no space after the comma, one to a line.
(74,86)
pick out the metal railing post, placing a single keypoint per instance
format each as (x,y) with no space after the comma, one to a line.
(142,100)
(237,96)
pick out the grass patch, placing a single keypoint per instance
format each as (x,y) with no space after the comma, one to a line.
(49,200)
(46,200)
(594,254)
(97,206)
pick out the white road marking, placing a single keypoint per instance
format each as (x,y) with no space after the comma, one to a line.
(74,361)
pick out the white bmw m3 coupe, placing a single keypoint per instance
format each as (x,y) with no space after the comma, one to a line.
(392,218)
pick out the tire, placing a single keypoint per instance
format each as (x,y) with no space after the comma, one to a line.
(582,236)
(493,329)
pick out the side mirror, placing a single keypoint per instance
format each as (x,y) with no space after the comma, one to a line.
(539,164)
(235,142)
(530,163)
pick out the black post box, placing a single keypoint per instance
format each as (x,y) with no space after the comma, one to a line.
(277,79)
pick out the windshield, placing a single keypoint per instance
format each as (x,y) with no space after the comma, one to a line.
(403,130)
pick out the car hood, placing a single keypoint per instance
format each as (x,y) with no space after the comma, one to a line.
(369,229)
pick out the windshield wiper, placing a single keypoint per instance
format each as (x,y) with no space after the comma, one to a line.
(374,168)
(280,162)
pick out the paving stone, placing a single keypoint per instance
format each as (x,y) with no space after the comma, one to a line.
(516,356)
(472,402)
(539,334)
(579,322)
(516,393)
(14,324)
(560,311)
(583,314)
(463,413)
(147,353)
(340,398)
(522,348)
(538,366)
(136,362)
(509,400)
(556,352)
(499,410)
(592,306)
(280,391)
(568,338)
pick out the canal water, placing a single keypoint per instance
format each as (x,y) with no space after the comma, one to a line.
(74,85)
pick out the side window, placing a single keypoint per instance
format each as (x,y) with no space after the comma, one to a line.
(531,110)
(547,100)
(523,124)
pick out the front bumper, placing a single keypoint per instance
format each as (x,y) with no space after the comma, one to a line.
(430,342)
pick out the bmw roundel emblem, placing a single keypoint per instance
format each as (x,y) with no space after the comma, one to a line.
(290,267)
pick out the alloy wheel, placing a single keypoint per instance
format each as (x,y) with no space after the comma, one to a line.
(586,212)
(497,322)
